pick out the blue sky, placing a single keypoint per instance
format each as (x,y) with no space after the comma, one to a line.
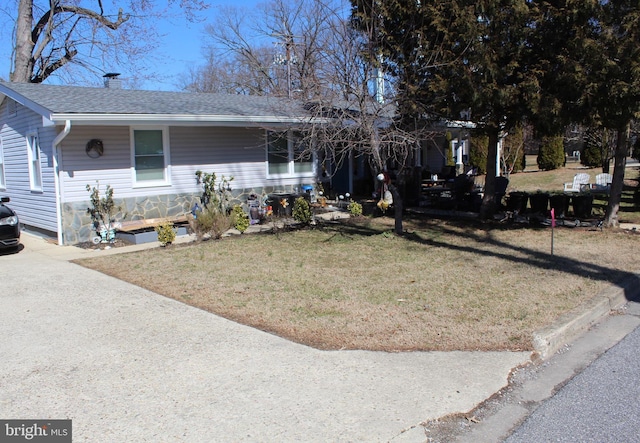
(181,46)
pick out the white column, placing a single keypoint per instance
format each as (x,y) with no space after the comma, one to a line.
(498,156)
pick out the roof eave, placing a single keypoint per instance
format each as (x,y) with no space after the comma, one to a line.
(21,99)
(178,119)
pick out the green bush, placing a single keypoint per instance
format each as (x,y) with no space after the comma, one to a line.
(239,218)
(302,211)
(590,156)
(166,233)
(478,153)
(551,153)
(355,209)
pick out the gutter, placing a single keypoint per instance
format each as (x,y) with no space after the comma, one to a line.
(184,119)
(56,178)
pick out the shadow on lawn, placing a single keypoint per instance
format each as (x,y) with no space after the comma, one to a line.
(479,232)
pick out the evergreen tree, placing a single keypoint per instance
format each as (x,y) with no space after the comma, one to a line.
(563,37)
(614,88)
(451,58)
(551,154)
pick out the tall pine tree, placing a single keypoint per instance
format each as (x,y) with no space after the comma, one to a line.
(457,57)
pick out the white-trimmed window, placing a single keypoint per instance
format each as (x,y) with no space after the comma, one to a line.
(35,169)
(150,156)
(287,155)
(3,182)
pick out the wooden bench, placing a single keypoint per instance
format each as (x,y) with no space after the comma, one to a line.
(143,230)
(148,223)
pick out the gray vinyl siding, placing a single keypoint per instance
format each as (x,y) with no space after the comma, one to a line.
(77,169)
(34,208)
(229,152)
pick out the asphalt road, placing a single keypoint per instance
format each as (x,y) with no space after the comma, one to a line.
(600,404)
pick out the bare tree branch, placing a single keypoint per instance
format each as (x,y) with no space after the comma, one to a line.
(66,33)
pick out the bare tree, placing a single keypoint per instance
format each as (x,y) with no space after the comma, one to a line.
(55,34)
(282,43)
(230,75)
(321,60)
(363,116)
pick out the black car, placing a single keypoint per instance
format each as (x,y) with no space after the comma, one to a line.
(9,226)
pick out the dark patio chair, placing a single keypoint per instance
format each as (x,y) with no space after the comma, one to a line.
(501,185)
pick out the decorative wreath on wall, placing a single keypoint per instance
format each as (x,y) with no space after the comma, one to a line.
(95,148)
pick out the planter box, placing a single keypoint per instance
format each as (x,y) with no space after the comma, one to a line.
(560,204)
(582,205)
(146,235)
(539,203)
(517,201)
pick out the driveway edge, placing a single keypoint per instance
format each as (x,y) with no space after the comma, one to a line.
(571,325)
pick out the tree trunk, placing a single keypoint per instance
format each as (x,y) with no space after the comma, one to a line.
(488,207)
(24,44)
(620,162)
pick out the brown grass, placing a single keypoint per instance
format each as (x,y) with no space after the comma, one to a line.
(446,285)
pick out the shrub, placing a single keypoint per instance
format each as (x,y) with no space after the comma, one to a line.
(599,148)
(103,208)
(447,149)
(302,211)
(551,153)
(355,209)
(513,151)
(215,194)
(212,222)
(478,153)
(239,218)
(166,233)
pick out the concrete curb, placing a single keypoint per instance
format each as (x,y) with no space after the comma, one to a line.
(571,325)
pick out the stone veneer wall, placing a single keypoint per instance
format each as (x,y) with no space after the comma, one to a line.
(76,222)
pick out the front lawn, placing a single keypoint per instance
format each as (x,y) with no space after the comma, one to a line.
(446,285)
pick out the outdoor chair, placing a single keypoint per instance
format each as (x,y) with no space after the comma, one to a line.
(580,183)
(501,185)
(603,182)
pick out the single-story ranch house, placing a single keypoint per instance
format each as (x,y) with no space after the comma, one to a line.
(146,145)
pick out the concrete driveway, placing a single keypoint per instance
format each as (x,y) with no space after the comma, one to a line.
(126,364)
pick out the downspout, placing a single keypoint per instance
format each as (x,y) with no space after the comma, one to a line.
(56,177)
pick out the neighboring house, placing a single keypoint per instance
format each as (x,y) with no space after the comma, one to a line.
(147,145)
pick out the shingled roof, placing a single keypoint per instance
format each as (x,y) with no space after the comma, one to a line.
(59,103)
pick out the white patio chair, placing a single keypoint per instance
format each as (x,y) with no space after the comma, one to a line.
(580,182)
(603,182)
